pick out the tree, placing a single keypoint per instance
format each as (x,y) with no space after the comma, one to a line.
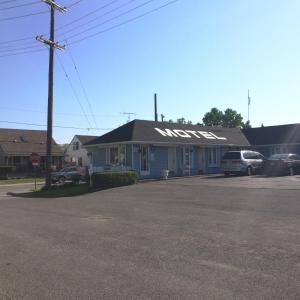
(232,119)
(213,118)
(228,118)
(246,125)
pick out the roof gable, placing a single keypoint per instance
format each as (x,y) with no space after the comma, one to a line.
(162,132)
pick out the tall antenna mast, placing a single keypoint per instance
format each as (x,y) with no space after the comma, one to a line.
(128,114)
(249,102)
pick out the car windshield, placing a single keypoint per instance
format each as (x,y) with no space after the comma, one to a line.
(279,156)
(232,155)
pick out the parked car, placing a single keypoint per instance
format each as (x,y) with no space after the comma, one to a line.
(242,162)
(282,164)
(73,173)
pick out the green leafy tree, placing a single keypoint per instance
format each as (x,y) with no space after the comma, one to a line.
(232,119)
(246,125)
(213,118)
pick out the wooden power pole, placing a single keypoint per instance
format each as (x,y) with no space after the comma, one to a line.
(52,45)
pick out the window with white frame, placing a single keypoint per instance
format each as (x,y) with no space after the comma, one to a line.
(212,157)
(117,155)
(113,156)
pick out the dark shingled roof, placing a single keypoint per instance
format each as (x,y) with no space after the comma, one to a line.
(85,138)
(23,142)
(273,135)
(143,131)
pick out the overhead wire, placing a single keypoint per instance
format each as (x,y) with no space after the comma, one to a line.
(73,89)
(24,16)
(97,18)
(111,19)
(81,83)
(20,5)
(57,126)
(19,53)
(123,23)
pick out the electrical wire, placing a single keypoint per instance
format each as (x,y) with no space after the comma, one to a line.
(57,126)
(24,16)
(97,18)
(123,23)
(86,15)
(19,53)
(81,84)
(58,113)
(20,5)
(111,19)
(75,3)
(73,89)
(18,49)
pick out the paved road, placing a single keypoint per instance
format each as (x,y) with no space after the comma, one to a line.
(195,238)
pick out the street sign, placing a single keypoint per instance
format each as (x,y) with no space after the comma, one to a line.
(35,159)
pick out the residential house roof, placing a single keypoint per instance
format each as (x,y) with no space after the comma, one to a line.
(273,135)
(85,138)
(141,131)
(23,142)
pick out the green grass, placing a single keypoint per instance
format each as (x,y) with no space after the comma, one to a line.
(68,190)
(20,180)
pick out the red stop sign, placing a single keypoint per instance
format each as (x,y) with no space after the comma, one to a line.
(35,158)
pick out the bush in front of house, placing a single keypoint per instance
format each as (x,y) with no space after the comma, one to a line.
(4,170)
(108,180)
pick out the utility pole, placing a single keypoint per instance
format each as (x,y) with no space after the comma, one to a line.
(155,108)
(249,102)
(52,45)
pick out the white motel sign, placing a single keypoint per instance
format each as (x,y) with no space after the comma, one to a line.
(189,134)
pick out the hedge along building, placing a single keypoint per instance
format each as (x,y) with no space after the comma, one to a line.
(150,147)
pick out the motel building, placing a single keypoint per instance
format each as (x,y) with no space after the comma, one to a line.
(150,148)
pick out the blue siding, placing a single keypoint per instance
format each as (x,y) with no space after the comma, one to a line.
(128,155)
(136,160)
(99,157)
(158,161)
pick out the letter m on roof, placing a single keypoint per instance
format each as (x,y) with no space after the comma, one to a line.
(166,132)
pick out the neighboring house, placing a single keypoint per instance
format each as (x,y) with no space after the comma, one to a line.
(150,147)
(16,145)
(269,140)
(75,153)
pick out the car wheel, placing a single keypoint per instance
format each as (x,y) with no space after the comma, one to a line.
(249,171)
(62,179)
(291,171)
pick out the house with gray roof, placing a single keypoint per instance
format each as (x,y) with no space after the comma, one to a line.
(150,148)
(16,145)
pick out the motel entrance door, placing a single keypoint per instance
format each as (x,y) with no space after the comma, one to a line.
(185,160)
(172,160)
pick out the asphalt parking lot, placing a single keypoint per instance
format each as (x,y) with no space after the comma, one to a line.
(190,238)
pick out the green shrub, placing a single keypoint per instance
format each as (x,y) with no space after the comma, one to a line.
(4,170)
(108,180)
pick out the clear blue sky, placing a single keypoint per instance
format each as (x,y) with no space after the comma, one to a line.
(194,54)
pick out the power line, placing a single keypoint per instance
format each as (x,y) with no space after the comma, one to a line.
(19,53)
(73,4)
(18,49)
(57,126)
(86,15)
(20,5)
(8,1)
(73,89)
(63,26)
(111,19)
(58,113)
(97,18)
(82,86)
(125,22)
(24,16)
